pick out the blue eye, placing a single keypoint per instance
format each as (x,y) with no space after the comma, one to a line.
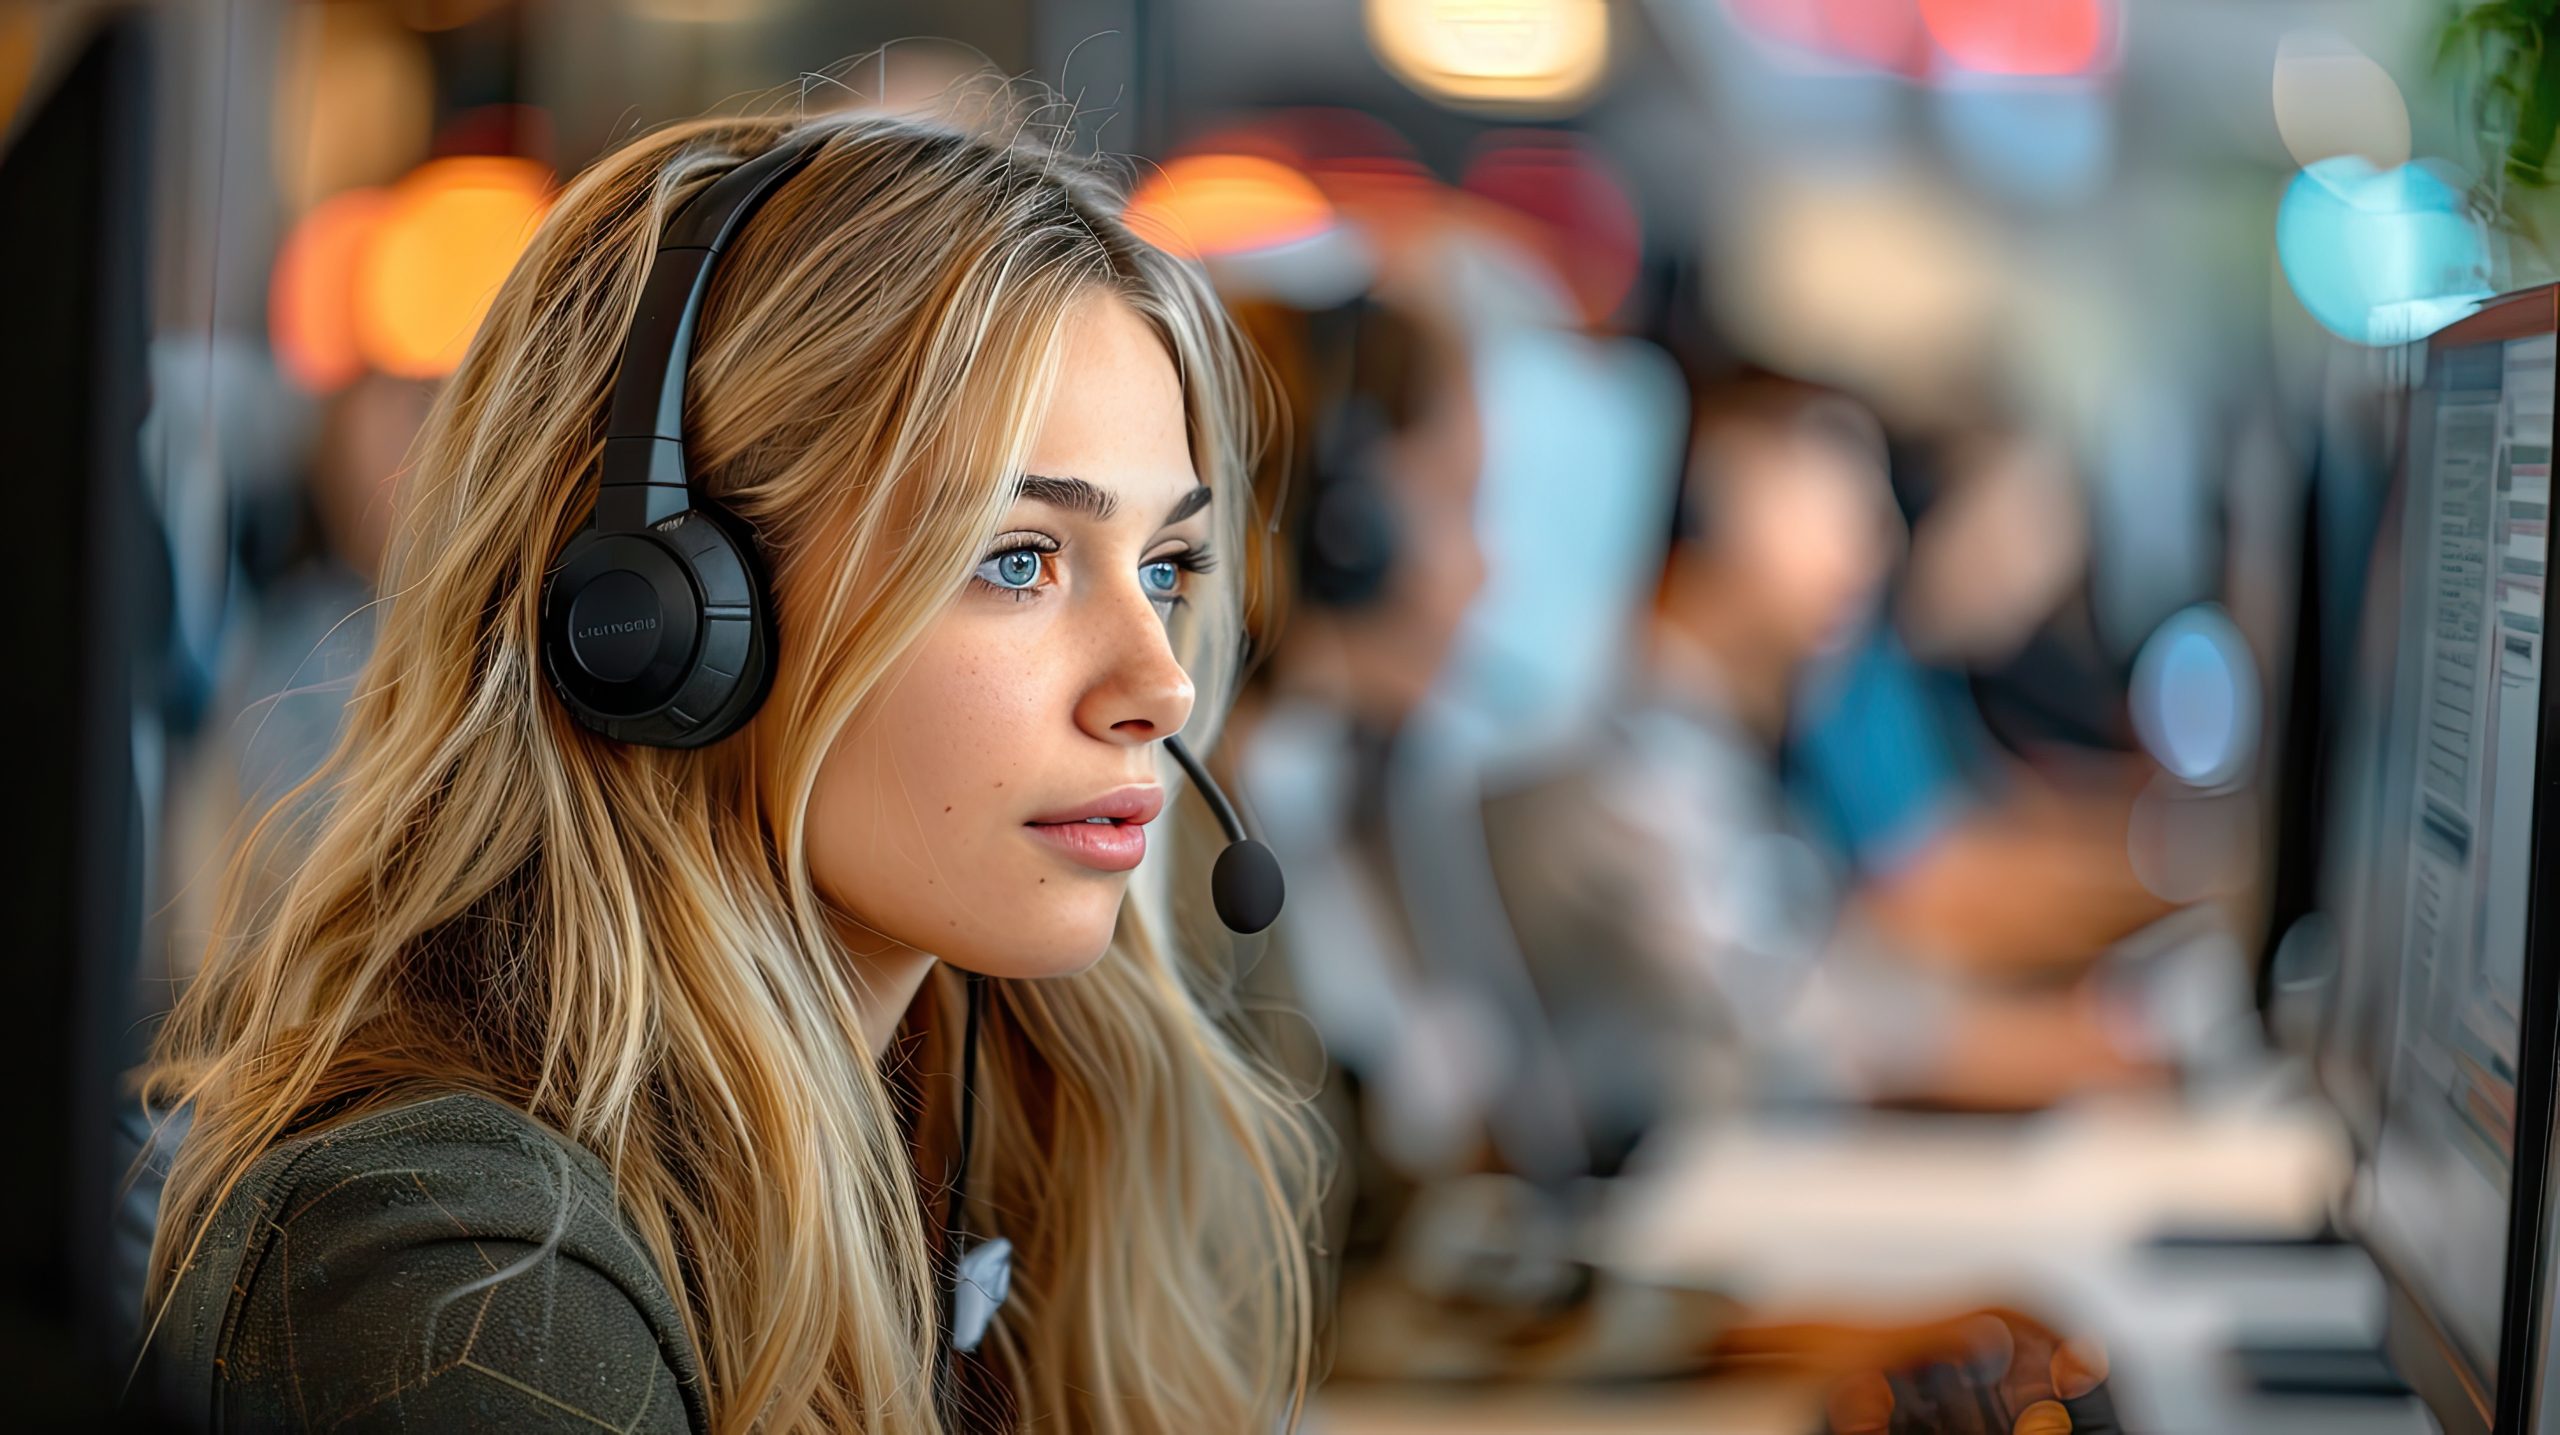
(1161,579)
(1014,571)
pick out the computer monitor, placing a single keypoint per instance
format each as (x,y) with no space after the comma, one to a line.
(2542,1400)
(2447,999)
(75,172)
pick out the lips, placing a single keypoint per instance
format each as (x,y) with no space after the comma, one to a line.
(1108,834)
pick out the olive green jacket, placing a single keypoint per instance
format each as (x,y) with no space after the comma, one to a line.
(445,1265)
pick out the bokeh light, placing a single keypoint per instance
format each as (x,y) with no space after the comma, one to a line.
(451,232)
(1924,39)
(311,298)
(2195,697)
(1211,204)
(1874,280)
(2332,99)
(2022,37)
(2380,256)
(1512,53)
(1572,195)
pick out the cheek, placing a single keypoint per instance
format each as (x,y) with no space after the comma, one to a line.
(915,828)
(1814,550)
(952,724)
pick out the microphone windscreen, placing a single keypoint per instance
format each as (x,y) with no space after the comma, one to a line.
(1245,884)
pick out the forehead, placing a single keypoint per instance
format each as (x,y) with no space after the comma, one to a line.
(1116,418)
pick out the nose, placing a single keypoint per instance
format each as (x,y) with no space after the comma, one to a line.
(1140,692)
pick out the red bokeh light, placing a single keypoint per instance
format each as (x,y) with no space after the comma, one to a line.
(1921,38)
(1573,197)
(2021,37)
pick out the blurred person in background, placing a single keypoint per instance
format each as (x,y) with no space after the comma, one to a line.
(308,558)
(310,561)
(589,1079)
(1452,1230)
(1749,958)
(1375,562)
(1458,1260)
(1997,851)
(314,621)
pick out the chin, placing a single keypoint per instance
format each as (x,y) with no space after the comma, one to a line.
(1058,935)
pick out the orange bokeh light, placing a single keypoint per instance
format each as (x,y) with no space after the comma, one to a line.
(449,234)
(1209,204)
(311,297)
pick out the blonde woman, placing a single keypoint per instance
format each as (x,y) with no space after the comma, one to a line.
(572,1080)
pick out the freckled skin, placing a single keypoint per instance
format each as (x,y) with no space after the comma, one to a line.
(1010,709)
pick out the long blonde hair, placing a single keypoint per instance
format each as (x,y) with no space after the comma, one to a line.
(626,943)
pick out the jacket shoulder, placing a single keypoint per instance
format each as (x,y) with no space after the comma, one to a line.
(441,1265)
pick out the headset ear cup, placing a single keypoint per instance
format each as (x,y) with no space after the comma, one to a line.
(1347,546)
(754,680)
(690,595)
(733,667)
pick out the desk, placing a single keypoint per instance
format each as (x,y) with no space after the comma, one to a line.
(1870,1205)
(1735,1405)
(1885,1218)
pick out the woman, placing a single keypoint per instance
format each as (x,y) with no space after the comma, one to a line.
(573,1081)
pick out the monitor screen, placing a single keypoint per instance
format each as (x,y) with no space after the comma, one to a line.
(2446,870)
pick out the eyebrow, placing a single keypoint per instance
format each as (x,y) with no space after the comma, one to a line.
(1072,494)
(1189,504)
(1078,496)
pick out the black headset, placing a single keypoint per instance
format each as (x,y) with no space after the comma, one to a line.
(1347,528)
(657,625)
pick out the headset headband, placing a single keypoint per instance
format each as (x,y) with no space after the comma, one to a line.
(644,478)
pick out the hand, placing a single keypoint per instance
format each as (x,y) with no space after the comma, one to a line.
(1991,1372)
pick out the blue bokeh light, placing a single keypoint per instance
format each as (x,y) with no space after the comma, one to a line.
(2380,256)
(2195,697)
